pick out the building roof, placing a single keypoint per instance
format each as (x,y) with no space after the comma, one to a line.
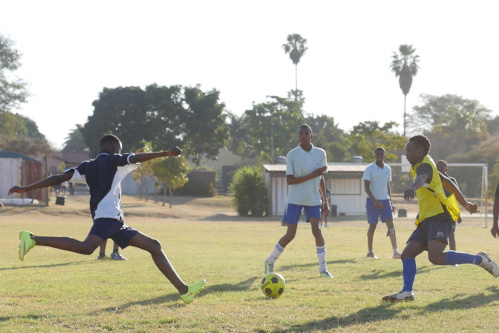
(75,157)
(332,167)
(11,154)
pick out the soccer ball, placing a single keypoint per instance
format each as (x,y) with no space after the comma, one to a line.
(273,285)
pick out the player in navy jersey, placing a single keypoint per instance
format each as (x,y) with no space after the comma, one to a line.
(103,176)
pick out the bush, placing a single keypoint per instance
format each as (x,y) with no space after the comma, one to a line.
(197,189)
(249,192)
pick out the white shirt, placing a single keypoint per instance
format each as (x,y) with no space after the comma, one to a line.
(300,163)
(379,178)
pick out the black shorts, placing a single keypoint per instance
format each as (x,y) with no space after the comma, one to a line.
(432,229)
(117,230)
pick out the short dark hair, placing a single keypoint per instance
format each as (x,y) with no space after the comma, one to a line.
(422,142)
(380,148)
(109,139)
(305,126)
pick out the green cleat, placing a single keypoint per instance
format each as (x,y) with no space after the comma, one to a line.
(192,291)
(27,243)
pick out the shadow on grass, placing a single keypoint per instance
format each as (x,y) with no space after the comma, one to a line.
(388,310)
(315,264)
(174,297)
(221,217)
(379,274)
(44,266)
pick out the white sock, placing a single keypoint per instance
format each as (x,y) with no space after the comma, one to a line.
(321,255)
(278,249)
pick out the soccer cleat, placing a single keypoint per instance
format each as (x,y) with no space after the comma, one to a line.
(192,291)
(488,264)
(26,244)
(400,296)
(396,255)
(371,254)
(326,274)
(117,256)
(269,268)
(102,257)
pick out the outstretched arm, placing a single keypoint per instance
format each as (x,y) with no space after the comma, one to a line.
(452,188)
(142,157)
(49,181)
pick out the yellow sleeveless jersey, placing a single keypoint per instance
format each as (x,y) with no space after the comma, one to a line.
(431,196)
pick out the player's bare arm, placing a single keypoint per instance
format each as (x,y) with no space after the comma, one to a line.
(452,188)
(410,193)
(143,157)
(390,196)
(49,181)
(495,212)
(292,180)
(367,184)
(322,189)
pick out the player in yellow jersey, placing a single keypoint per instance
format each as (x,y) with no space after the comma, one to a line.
(436,214)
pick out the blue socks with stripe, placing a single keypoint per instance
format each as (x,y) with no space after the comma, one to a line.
(456,258)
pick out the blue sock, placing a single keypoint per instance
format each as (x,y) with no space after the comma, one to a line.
(409,273)
(456,258)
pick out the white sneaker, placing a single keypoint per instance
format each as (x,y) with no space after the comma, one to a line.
(488,264)
(371,254)
(326,274)
(400,296)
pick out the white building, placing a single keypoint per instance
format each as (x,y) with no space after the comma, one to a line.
(343,180)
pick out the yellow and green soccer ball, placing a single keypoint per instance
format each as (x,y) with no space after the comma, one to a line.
(273,285)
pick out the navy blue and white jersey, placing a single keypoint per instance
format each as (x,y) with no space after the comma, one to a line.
(103,176)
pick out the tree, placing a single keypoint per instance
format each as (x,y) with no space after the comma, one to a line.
(369,135)
(296,48)
(239,139)
(249,193)
(204,127)
(330,137)
(452,123)
(120,111)
(144,173)
(172,173)
(405,66)
(12,89)
(20,134)
(273,126)
(74,140)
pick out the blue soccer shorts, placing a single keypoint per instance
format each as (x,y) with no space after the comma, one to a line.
(373,212)
(293,212)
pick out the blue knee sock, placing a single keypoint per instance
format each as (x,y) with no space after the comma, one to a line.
(409,273)
(456,258)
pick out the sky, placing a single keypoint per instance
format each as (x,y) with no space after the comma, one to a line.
(71,50)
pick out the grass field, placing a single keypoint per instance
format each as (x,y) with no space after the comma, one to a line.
(57,291)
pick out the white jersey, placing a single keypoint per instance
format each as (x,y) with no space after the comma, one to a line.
(300,163)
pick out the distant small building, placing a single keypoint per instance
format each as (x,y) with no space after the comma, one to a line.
(344,181)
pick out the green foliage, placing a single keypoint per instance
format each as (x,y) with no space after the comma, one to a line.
(282,116)
(405,66)
(197,189)
(164,116)
(12,89)
(249,191)
(204,128)
(20,134)
(369,135)
(328,136)
(171,172)
(452,123)
(75,141)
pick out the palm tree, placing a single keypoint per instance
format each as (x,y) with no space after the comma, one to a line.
(405,66)
(296,47)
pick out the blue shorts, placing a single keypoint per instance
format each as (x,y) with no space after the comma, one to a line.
(373,212)
(432,229)
(117,230)
(293,212)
